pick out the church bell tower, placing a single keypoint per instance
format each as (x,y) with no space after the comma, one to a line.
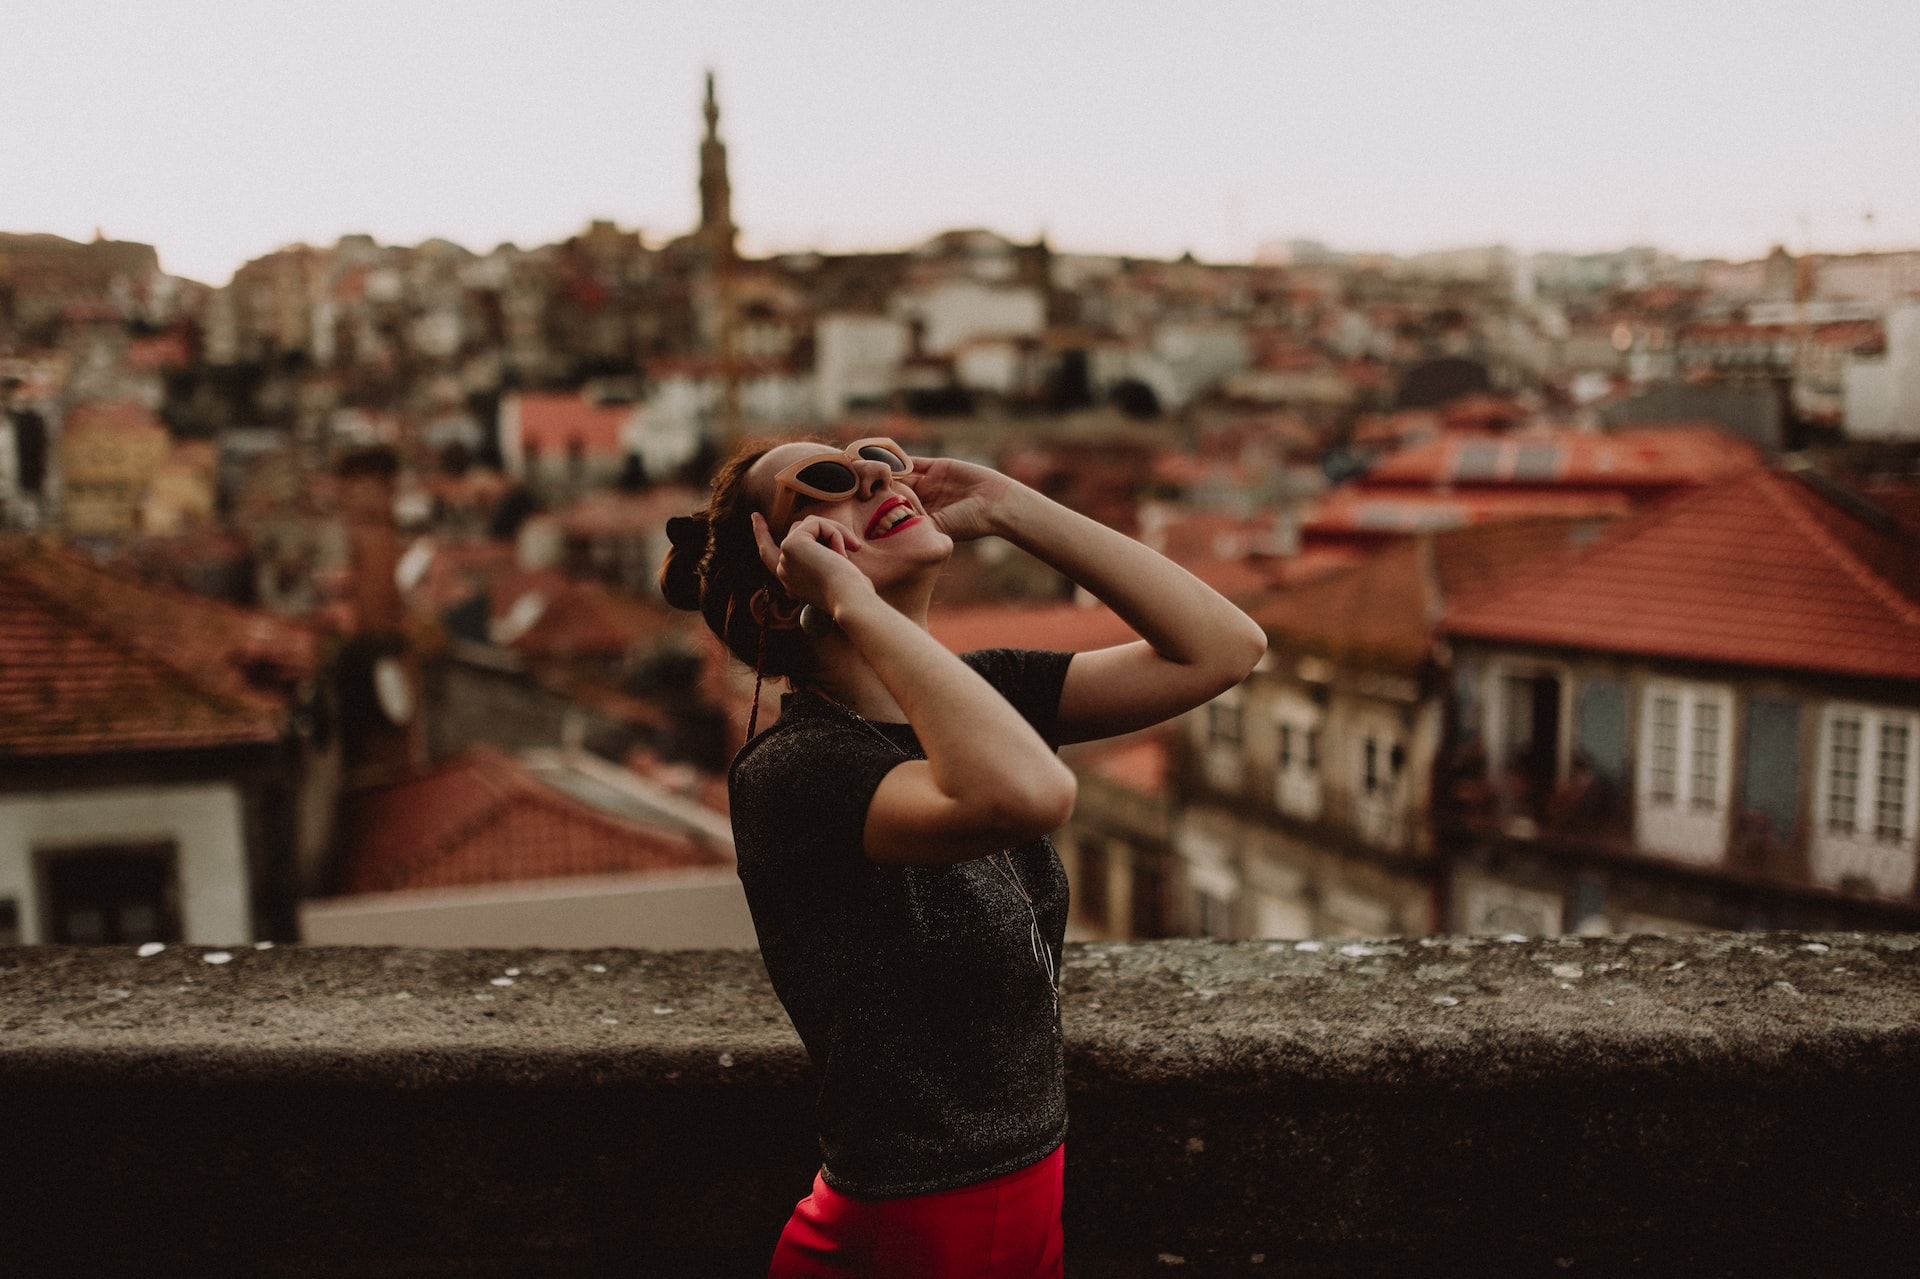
(716,193)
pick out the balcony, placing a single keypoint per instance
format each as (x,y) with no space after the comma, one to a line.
(1714,1105)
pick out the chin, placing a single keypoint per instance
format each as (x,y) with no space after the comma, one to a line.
(940,548)
(918,553)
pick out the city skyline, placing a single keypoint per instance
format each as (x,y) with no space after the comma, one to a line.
(219,133)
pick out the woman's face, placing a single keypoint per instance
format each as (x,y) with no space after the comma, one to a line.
(894,529)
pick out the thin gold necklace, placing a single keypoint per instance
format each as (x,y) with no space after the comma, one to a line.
(1010,873)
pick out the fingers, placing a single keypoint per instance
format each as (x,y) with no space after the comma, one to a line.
(813,528)
(763,539)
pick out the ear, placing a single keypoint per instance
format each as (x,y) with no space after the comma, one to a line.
(781,614)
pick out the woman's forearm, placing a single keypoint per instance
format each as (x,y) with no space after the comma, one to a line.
(982,754)
(1186,621)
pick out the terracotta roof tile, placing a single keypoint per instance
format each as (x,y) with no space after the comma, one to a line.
(1386,610)
(479,818)
(1758,571)
(1383,512)
(1626,460)
(1137,763)
(92,663)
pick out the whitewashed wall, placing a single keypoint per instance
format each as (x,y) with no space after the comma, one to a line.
(204,824)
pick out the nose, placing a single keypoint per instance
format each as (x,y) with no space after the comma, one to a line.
(873,477)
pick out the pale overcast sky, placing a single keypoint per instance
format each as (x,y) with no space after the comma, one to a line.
(218,130)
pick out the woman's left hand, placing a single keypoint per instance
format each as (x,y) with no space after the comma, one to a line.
(964,500)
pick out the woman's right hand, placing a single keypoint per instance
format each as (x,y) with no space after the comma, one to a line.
(811,562)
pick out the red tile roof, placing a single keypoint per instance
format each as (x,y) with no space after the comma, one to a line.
(544,613)
(1352,513)
(1386,610)
(91,663)
(572,619)
(1758,571)
(1627,460)
(479,818)
(1137,763)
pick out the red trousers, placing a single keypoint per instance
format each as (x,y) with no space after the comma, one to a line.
(1006,1228)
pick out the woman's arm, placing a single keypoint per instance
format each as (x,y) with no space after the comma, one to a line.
(1195,644)
(988,781)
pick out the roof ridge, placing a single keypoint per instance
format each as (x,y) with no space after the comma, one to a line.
(127,645)
(1849,563)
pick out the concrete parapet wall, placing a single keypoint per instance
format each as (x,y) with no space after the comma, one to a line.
(1726,1105)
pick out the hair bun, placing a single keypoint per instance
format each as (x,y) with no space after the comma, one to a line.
(688,532)
(680,570)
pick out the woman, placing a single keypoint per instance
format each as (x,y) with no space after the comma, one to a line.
(892,829)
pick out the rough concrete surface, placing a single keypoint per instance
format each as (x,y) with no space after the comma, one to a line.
(1729,1104)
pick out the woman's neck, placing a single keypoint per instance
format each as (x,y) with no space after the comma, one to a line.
(844,678)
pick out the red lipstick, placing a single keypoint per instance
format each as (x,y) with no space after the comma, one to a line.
(873,533)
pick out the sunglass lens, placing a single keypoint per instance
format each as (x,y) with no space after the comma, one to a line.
(880,453)
(829,477)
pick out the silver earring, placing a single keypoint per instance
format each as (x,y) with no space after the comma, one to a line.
(815,622)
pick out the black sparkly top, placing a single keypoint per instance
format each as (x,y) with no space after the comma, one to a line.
(914,988)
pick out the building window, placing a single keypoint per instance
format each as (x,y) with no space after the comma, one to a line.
(112,896)
(1843,773)
(1296,781)
(1865,784)
(1867,774)
(1706,754)
(1299,747)
(1890,786)
(1685,740)
(1665,737)
(1223,723)
(1381,762)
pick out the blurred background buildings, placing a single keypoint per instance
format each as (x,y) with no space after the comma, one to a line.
(326,605)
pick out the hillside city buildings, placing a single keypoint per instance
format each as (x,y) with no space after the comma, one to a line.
(1592,582)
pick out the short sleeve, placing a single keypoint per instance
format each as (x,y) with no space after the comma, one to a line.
(799,794)
(1030,678)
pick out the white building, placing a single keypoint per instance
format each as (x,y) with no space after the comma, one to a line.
(1881,395)
(856,358)
(956,311)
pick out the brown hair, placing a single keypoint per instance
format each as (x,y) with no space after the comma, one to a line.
(714,567)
